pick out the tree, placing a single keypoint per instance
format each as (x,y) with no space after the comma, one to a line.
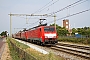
(61,31)
(74,31)
(85,31)
(4,33)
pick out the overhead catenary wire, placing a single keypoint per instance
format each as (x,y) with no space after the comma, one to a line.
(69,6)
(78,3)
(33,23)
(43,7)
(71,15)
(38,11)
(49,5)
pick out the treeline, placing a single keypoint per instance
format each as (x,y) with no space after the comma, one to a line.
(85,31)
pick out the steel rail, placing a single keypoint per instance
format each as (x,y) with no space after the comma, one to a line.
(75,46)
(73,50)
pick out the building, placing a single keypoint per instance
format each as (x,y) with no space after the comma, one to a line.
(66,24)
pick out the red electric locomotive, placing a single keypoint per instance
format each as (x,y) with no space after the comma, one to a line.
(43,35)
(40,35)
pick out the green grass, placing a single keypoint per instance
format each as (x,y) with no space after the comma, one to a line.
(13,53)
(20,45)
(35,53)
(41,56)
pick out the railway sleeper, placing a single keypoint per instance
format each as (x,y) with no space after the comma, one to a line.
(72,52)
(74,49)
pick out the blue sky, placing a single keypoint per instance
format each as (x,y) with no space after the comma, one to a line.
(31,6)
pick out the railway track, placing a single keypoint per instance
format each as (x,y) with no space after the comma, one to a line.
(74,46)
(76,50)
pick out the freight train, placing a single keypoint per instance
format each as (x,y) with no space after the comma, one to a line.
(41,35)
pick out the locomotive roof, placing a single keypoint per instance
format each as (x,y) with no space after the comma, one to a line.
(34,28)
(39,26)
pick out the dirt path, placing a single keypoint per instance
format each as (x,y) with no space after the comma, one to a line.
(6,53)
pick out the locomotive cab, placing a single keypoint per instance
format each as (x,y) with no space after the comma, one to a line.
(50,35)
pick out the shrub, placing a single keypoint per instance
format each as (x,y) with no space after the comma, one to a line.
(75,40)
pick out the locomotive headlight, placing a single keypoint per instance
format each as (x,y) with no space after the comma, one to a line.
(54,37)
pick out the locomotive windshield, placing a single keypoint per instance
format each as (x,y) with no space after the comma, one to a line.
(46,29)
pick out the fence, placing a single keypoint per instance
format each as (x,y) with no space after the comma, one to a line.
(22,54)
(82,36)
